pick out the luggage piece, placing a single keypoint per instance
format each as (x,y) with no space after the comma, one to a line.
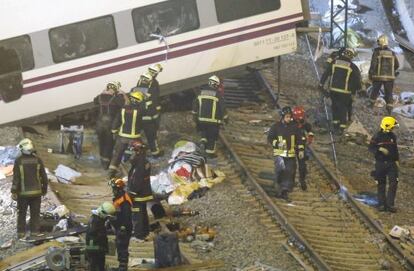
(166,250)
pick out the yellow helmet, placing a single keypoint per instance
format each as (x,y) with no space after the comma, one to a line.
(382,40)
(155,69)
(106,209)
(146,77)
(388,123)
(26,146)
(114,85)
(214,81)
(349,52)
(137,96)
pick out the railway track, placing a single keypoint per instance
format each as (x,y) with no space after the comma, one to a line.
(334,233)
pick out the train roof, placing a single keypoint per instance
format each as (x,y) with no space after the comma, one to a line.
(26,16)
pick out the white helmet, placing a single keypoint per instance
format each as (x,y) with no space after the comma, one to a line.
(26,146)
(114,85)
(106,209)
(155,69)
(214,81)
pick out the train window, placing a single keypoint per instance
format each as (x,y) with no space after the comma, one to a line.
(23,47)
(166,18)
(230,10)
(83,39)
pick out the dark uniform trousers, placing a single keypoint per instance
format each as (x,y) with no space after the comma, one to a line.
(388,87)
(122,244)
(341,103)
(384,169)
(209,134)
(302,169)
(285,179)
(105,139)
(96,243)
(96,261)
(22,205)
(140,218)
(121,145)
(150,130)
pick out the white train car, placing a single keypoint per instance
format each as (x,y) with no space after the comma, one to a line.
(69,50)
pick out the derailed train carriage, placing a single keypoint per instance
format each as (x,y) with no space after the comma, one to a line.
(66,57)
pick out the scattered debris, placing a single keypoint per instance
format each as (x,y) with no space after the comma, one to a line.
(7,244)
(405,110)
(8,154)
(398,232)
(368,198)
(65,174)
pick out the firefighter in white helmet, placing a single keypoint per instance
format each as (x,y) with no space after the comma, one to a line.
(382,72)
(209,113)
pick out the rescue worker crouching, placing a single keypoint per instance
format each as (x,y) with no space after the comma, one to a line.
(286,140)
(382,72)
(139,187)
(298,114)
(384,146)
(151,115)
(96,237)
(127,126)
(122,223)
(29,185)
(109,102)
(344,83)
(209,113)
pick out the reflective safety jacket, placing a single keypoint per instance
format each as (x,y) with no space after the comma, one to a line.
(128,123)
(209,107)
(150,111)
(386,140)
(96,237)
(154,92)
(139,185)
(306,130)
(345,76)
(286,139)
(123,205)
(384,63)
(29,177)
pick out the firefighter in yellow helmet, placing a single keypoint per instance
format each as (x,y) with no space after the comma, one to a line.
(209,113)
(96,237)
(127,126)
(29,184)
(345,81)
(382,71)
(384,146)
(109,103)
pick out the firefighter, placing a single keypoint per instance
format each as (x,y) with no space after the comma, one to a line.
(382,71)
(209,113)
(96,236)
(298,114)
(384,146)
(344,83)
(154,89)
(151,115)
(286,140)
(139,187)
(127,126)
(29,185)
(110,102)
(123,223)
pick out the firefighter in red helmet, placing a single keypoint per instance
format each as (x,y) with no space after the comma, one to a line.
(299,117)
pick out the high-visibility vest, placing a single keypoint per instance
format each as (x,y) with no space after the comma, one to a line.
(30,186)
(341,73)
(385,66)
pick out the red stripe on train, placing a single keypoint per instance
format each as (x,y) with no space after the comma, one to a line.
(154,50)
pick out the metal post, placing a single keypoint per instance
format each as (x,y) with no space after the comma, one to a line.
(342,40)
(279,77)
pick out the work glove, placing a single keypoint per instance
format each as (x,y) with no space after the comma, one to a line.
(14,196)
(383,150)
(397,163)
(301,154)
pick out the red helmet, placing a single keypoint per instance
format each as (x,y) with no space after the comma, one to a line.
(137,145)
(298,113)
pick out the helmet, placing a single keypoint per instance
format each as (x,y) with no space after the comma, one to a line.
(349,52)
(214,81)
(106,209)
(155,69)
(117,183)
(286,110)
(382,40)
(26,146)
(114,85)
(146,77)
(137,145)
(298,113)
(388,123)
(137,96)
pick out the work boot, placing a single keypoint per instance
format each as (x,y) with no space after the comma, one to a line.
(123,267)
(392,209)
(285,195)
(303,185)
(20,235)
